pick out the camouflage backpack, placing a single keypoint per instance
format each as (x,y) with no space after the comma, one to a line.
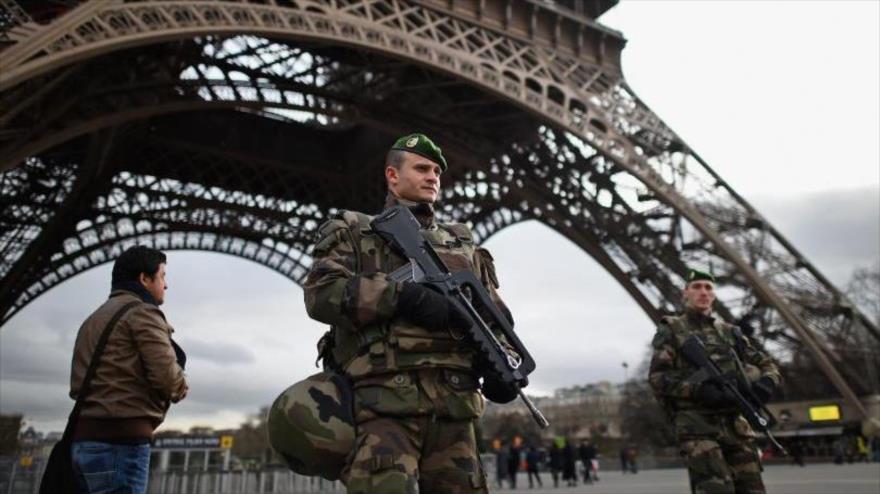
(311,425)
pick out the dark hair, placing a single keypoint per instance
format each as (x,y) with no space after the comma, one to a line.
(395,158)
(136,260)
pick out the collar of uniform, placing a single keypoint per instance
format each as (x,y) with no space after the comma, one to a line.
(699,317)
(423,211)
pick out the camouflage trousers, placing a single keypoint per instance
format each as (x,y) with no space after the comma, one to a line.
(723,463)
(407,455)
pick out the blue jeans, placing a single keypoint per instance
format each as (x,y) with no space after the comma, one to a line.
(103,468)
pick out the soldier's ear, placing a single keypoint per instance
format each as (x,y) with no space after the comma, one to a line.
(392,175)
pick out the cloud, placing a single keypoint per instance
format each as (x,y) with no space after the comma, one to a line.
(755,106)
(43,400)
(218,351)
(578,323)
(835,230)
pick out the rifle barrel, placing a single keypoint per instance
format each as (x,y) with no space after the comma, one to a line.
(775,442)
(536,414)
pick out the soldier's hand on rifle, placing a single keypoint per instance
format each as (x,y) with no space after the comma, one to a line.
(763,389)
(498,391)
(421,305)
(713,394)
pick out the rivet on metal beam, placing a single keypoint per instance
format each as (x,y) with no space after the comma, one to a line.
(533,21)
(579,46)
(557,31)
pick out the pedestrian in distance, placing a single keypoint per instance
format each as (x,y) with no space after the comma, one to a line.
(587,453)
(862,449)
(501,459)
(631,458)
(569,460)
(513,462)
(797,453)
(555,462)
(875,448)
(533,466)
(838,450)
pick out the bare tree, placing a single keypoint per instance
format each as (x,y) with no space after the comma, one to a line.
(10,428)
(251,443)
(643,420)
(864,290)
(506,427)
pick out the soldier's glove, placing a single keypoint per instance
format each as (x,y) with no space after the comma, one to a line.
(425,307)
(763,389)
(498,391)
(713,395)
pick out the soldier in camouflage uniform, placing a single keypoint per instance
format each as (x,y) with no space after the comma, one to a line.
(415,385)
(715,440)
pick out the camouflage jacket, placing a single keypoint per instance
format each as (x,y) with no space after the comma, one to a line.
(347,289)
(674,380)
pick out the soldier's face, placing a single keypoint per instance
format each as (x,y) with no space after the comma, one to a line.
(700,295)
(156,285)
(417,180)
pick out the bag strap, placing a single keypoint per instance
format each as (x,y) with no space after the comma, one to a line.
(93,367)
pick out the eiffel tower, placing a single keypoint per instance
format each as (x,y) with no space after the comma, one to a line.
(240,126)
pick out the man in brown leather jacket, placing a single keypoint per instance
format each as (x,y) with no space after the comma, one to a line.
(138,376)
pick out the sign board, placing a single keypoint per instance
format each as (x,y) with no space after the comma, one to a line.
(191,442)
(824,413)
(226,442)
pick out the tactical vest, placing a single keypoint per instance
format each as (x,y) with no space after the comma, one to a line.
(396,344)
(724,342)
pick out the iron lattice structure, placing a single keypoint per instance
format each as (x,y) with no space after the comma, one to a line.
(239,126)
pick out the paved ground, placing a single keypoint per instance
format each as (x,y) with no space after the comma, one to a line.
(862,478)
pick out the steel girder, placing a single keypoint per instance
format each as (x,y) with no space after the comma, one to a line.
(531,100)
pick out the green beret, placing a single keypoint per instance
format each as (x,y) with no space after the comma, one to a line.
(421,145)
(694,275)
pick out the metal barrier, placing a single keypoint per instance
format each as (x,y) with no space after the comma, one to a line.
(17,480)
(240,482)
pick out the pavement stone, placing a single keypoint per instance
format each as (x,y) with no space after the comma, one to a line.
(857,478)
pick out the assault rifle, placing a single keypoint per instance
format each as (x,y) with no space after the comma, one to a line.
(508,364)
(755,412)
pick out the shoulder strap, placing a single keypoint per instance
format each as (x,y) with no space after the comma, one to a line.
(93,366)
(355,219)
(740,339)
(740,346)
(458,230)
(676,324)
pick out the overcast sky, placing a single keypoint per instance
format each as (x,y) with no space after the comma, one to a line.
(780,98)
